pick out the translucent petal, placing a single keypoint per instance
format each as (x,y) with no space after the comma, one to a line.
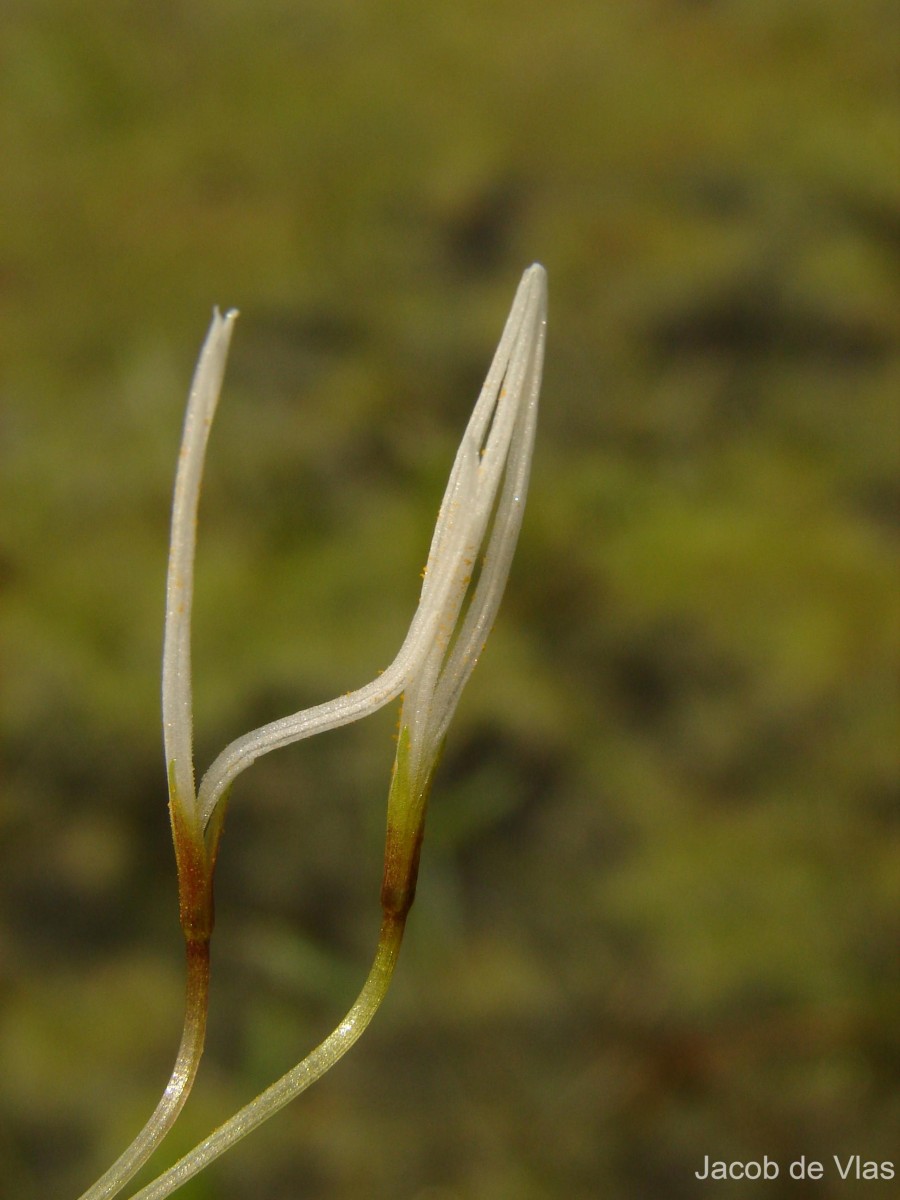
(177,702)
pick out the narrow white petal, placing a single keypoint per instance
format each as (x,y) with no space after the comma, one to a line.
(239,754)
(177,704)
(522,385)
(508,441)
(458,502)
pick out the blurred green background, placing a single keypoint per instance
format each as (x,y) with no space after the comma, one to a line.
(658,911)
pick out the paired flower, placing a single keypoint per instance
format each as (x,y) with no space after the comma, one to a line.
(468,563)
(480,515)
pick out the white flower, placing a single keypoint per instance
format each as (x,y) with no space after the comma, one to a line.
(494,457)
(466,572)
(177,700)
(480,516)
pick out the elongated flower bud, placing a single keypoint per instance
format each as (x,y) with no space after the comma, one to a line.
(476,534)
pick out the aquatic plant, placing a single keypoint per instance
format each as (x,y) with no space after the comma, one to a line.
(463,582)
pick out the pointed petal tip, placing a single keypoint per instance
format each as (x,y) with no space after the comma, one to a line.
(226,318)
(535,279)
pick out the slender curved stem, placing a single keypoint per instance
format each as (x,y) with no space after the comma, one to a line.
(316,1063)
(180,1082)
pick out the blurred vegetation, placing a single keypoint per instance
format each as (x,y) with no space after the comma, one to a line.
(658,913)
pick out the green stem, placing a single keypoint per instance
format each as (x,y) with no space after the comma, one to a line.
(316,1063)
(180,1082)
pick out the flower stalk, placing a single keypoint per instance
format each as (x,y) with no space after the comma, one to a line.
(298,1079)
(195,850)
